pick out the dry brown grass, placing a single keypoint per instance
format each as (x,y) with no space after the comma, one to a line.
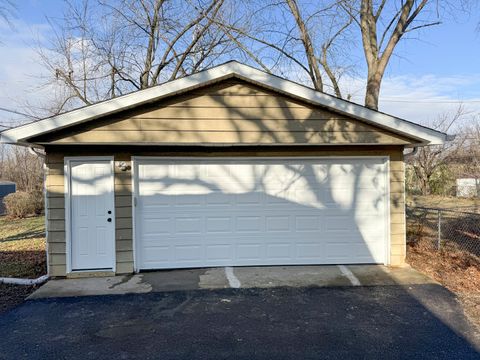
(457,270)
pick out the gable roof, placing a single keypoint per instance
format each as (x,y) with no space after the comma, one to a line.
(232,69)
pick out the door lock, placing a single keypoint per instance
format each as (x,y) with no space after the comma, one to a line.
(109,219)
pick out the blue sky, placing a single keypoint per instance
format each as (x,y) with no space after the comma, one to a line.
(451,48)
(35,11)
(428,77)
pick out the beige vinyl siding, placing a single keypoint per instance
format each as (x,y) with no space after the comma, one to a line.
(55,204)
(123,218)
(227,113)
(123,199)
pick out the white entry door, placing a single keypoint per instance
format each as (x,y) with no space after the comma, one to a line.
(221,212)
(92,215)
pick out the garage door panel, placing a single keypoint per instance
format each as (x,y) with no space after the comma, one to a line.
(279,223)
(279,198)
(249,224)
(188,225)
(364,251)
(219,224)
(310,252)
(219,252)
(250,198)
(156,226)
(307,223)
(218,212)
(189,253)
(339,223)
(152,201)
(189,201)
(345,200)
(337,251)
(157,255)
(248,251)
(371,207)
(280,251)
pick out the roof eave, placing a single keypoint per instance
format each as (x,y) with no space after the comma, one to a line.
(424,135)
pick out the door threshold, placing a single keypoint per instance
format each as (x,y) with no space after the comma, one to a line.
(90,273)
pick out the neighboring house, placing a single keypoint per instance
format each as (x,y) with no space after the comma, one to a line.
(468,187)
(6,187)
(227,167)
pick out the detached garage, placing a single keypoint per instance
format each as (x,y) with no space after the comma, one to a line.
(227,167)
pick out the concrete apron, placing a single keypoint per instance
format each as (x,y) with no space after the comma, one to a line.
(238,277)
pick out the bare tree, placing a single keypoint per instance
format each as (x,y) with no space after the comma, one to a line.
(293,37)
(19,165)
(102,49)
(315,33)
(313,64)
(382,25)
(429,158)
(314,36)
(468,158)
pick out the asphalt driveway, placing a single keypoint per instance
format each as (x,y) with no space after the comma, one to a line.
(373,322)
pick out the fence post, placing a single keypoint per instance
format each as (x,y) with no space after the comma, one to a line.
(439,230)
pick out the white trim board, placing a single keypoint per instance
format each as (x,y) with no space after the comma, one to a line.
(231,69)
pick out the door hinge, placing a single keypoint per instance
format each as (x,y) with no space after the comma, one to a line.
(135,201)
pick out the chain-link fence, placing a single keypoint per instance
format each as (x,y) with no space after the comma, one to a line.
(443,229)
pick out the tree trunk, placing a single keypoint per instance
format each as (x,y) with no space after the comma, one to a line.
(372,93)
(314,70)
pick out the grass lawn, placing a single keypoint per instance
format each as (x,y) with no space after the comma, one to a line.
(22,247)
(22,254)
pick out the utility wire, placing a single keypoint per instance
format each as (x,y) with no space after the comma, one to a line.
(432,101)
(16,112)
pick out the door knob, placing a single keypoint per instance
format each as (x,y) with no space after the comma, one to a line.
(109,219)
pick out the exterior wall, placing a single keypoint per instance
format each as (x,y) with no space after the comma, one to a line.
(55,206)
(227,113)
(123,188)
(468,187)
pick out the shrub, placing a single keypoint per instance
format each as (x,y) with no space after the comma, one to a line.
(22,204)
(38,201)
(442,181)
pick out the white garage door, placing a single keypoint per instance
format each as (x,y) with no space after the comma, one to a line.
(201,213)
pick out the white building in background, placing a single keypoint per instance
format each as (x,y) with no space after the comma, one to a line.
(468,187)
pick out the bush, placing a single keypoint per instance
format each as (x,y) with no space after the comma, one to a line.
(22,204)
(38,200)
(442,181)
